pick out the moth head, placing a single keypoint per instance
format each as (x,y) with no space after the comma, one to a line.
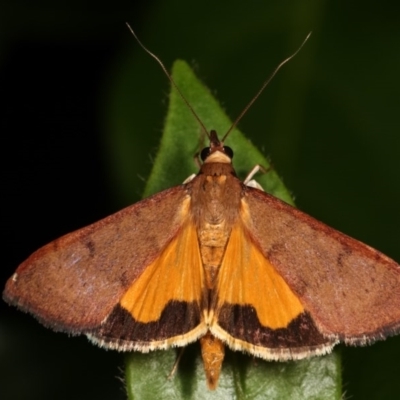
(216,152)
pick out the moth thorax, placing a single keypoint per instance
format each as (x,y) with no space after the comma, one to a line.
(218,157)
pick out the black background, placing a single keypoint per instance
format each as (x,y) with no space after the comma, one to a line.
(82,109)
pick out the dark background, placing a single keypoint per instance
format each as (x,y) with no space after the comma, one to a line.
(82,109)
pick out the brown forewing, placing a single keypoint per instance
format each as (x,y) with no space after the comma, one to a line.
(74,282)
(351,290)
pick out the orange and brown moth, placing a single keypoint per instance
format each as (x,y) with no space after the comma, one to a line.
(217,260)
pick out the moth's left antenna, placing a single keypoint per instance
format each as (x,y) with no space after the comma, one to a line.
(170,79)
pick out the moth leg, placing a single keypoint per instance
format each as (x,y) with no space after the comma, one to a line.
(249,181)
(197,160)
(254,184)
(176,363)
(189,178)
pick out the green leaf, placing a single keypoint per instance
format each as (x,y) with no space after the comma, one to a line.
(242,376)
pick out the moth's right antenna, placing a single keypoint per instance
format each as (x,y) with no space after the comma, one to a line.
(264,85)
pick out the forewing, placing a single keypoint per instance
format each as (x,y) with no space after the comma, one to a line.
(351,291)
(73,283)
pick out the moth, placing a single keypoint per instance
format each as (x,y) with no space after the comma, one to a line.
(217,260)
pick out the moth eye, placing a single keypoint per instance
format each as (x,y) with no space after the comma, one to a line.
(228,152)
(205,153)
